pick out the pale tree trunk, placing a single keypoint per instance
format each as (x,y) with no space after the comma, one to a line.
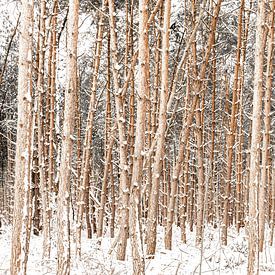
(254,176)
(85,167)
(137,179)
(22,203)
(63,236)
(263,201)
(160,135)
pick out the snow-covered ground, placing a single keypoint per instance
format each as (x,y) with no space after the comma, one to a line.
(183,259)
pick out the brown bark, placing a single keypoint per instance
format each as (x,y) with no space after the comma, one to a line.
(186,129)
(22,199)
(63,236)
(254,176)
(123,163)
(266,137)
(232,131)
(160,135)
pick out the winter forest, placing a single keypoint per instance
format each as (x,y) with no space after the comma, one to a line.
(136,137)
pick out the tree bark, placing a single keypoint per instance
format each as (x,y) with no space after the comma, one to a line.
(22,199)
(254,175)
(160,135)
(63,213)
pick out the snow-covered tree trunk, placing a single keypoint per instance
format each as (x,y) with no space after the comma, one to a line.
(160,135)
(123,163)
(63,212)
(22,199)
(254,176)
(186,129)
(137,176)
(263,198)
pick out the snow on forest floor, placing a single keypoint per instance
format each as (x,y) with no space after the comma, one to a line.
(183,259)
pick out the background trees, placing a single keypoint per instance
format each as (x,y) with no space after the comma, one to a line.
(151,123)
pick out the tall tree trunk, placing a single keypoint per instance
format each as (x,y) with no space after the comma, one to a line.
(232,130)
(40,91)
(63,212)
(186,129)
(254,176)
(160,135)
(51,173)
(137,179)
(263,201)
(123,163)
(22,202)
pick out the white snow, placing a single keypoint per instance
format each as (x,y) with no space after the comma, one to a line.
(183,259)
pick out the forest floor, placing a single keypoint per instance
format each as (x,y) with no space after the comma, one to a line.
(183,259)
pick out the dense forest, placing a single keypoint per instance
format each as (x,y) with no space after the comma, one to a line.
(136,137)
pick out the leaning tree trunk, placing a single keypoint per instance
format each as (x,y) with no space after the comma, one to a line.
(186,130)
(85,167)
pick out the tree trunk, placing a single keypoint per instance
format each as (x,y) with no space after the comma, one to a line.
(254,176)
(63,212)
(263,201)
(123,163)
(160,135)
(22,202)
(85,167)
(232,130)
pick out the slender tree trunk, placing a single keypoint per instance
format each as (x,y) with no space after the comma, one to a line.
(137,178)
(160,135)
(51,173)
(254,177)
(232,130)
(123,163)
(263,201)
(200,196)
(63,212)
(42,177)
